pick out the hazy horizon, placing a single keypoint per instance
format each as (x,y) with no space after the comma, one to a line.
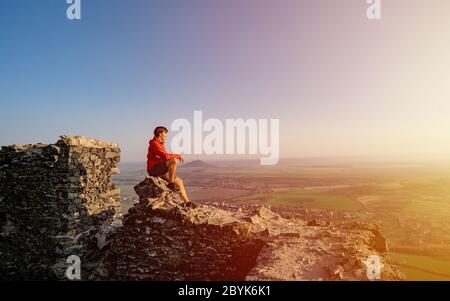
(343,160)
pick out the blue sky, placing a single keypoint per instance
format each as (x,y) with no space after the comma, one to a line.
(340,84)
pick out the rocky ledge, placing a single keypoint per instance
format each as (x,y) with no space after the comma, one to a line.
(162,240)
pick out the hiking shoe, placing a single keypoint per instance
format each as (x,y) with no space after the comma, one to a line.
(190,205)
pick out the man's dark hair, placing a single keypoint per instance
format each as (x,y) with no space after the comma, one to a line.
(160,129)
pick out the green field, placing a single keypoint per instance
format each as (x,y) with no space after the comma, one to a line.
(418,267)
(314,199)
(324,199)
(214,193)
(255,196)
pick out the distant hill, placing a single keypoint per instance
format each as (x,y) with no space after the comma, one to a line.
(198,164)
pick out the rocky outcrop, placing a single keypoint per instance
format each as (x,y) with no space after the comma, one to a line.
(58,200)
(52,199)
(162,240)
(301,250)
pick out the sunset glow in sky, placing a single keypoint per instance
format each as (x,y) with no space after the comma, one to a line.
(340,85)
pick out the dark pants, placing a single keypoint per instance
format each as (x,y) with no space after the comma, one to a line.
(161,170)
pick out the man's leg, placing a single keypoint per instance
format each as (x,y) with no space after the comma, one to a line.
(172,169)
(183,194)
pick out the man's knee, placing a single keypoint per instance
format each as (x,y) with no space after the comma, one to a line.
(172,162)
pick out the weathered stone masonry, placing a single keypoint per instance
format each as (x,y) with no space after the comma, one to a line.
(52,200)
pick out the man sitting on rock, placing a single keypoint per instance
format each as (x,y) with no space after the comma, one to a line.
(164,165)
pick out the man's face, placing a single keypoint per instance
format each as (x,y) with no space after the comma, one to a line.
(163,136)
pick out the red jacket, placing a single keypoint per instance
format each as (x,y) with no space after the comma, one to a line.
(157,153)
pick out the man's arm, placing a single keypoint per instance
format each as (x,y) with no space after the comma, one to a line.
(160,151)
(170,156)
